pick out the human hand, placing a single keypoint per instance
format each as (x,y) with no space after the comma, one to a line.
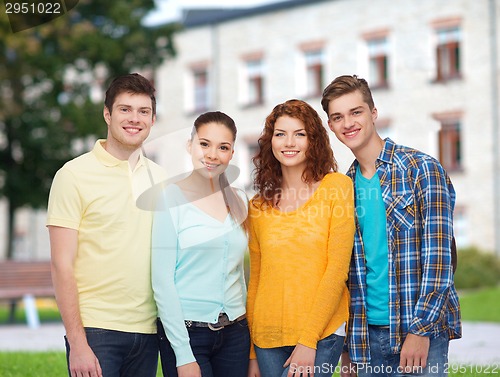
(301,361)
(189,370)
(414,353)
(347,368)
(253,368)
(83,362)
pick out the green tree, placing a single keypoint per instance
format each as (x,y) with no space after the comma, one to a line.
(47,77)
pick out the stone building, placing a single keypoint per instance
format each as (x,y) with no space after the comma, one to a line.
(432,65)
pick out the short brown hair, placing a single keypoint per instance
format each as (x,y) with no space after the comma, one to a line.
(344,85)
(130,83)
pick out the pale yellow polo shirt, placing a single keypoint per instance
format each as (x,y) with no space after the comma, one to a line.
(96,194)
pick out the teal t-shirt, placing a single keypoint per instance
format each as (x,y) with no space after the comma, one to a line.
(370,210)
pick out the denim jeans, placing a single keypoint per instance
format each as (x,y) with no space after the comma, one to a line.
(385,363)
(122,354)
(222,353)
(328,352)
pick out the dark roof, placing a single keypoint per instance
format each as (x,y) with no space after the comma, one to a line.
(201,17)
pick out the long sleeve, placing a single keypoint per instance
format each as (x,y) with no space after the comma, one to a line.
(436,198)
(298,267)
(332,285)
(164,259)
(243,283)
(253,245)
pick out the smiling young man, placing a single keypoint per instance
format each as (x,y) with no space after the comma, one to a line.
(101,241)
(404,306)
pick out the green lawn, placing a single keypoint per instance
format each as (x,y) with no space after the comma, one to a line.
(26,364)
(35,364)
(481,305)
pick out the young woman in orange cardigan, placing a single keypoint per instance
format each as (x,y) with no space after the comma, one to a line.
(301,237)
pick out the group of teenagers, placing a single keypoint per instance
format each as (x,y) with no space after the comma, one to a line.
(355,267)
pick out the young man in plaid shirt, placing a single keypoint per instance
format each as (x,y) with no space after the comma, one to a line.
(404,306)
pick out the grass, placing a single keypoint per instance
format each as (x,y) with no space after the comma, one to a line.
(32,364)
(36,364)
(481,305)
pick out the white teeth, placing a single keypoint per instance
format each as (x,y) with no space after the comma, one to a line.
(351,133)
(287,153)
(132,130)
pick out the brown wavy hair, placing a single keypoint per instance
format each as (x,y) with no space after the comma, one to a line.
(319,155)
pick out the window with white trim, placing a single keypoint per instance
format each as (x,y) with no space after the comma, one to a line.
(200,89)
(378,62)
(450,154)
(314,65)
(448,53)
(255,82)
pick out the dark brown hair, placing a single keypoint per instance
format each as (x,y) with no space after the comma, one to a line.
(130,83)
(238,210)
(319,155)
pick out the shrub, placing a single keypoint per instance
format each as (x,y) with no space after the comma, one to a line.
(476,269)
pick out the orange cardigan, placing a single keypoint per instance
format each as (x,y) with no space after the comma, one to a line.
(299,262)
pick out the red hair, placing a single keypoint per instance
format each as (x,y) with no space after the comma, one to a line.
(319,155)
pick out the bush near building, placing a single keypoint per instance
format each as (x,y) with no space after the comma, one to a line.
(477,269)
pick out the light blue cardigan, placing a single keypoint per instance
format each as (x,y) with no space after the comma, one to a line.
(197,268)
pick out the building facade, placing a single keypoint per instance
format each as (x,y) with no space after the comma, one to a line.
(432,66)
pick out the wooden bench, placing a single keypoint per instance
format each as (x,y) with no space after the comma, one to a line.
(25,280)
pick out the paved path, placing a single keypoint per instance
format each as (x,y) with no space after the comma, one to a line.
(480,344)
(48,337)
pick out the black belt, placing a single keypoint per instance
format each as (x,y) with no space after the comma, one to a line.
(219,325)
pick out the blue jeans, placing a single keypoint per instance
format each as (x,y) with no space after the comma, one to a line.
(222,353)
(328,352)
(385,363)
(122,354)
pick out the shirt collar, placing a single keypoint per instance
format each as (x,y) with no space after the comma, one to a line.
(107,159)
(387,152)
(386,156)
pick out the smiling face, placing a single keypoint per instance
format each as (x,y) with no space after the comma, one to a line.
(289,142)
(352,121)
(129,123)
(211,149)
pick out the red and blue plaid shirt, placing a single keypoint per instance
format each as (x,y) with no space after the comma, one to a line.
(419,200)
